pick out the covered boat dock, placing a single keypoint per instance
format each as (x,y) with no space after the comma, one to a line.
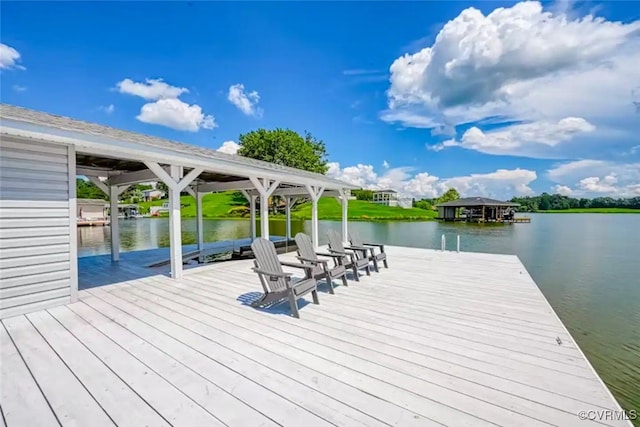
(479,209)
(41,156)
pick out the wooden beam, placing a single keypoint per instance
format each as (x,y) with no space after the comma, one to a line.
(91,171)
(314,192)
(344,201)
(114,225)
(101,185)
(265,187)
(73,224)
(191,191)
(175,232)
(199,224)
(289,201)
(134,177)
(226,186)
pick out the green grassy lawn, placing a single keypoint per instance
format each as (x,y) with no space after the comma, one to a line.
(359,210)
(594,210)
(217,205)
(214,205)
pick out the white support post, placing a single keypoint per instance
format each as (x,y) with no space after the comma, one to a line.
(252,213)
(289,201)
(176,184)
(344,200)
(443,243)
(314,194)
(73,231)
(265,187)
(200,224)
(175,232)
(113,220)
(458,244)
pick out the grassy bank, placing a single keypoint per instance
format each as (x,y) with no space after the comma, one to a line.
(222,206)
(595,210)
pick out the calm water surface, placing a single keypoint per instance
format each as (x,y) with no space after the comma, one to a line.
(587,265)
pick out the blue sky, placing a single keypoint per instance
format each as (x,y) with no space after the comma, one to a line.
(498,99)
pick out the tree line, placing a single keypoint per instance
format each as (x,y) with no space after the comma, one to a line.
(545,202)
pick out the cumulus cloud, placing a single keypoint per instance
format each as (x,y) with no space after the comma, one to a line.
(247,102)
(562,189)
(521,64)
(176,114)
(385,164)
(476,58)
(530,140)
(166,110)
(591,178)
(229,147)
(9,58)
(502,183)
(150,89)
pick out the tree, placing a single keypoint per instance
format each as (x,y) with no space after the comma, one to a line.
(363,194)
(450,195)
(285,147)
(423,204)
(86,189)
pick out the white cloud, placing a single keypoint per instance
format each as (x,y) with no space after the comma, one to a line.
(108,109)
(385,164)
(562,189)
(150,89)
(176,114)
(500,184)
(529,140)
(246,102)
(229,147)
(522,64)
(19,88)
(589,178)
(166,110)
(9,58)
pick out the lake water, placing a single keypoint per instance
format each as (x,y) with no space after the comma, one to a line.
(587,265)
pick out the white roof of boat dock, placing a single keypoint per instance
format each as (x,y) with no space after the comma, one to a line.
(111,150)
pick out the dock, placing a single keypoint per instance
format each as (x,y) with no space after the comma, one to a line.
(439,338)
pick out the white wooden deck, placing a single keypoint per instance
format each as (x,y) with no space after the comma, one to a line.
(438,339)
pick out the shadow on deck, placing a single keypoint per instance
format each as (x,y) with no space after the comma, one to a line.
(99,270)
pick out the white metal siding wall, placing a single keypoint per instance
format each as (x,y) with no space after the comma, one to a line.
(37,257)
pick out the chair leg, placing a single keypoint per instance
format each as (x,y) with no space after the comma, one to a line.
(258,302)
(355,273)
(375,265)
(314,295)
(330,283)
(294,305)
(386,265)
(368,270)
(344,279)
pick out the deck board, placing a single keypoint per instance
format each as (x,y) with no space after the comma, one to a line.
(439,338)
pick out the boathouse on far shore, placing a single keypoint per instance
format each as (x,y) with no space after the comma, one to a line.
(477,209)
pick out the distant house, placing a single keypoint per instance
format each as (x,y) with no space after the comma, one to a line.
(385,197)
(391,198)
(152,194)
